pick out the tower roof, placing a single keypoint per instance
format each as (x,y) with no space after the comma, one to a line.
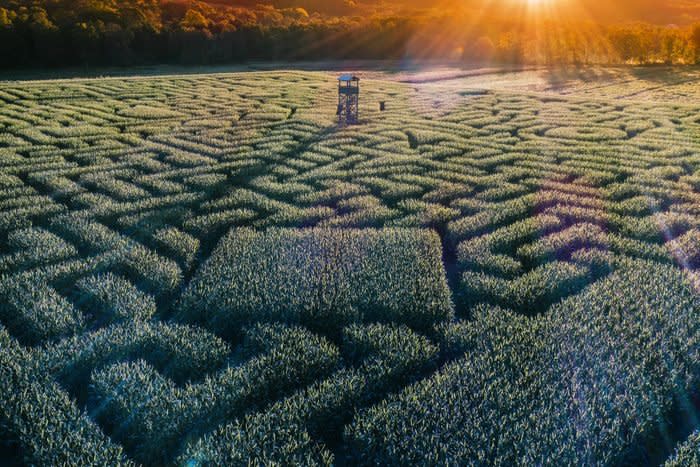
(348,77)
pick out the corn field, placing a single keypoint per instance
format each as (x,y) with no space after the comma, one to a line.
(501,269)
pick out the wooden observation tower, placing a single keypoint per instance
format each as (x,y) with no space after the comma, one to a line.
(348,99)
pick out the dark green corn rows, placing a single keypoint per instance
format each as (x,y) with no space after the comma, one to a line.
(687,453)
(591,382)
(323,279)
(191,273)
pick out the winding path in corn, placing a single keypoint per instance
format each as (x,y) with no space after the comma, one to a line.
(498,269)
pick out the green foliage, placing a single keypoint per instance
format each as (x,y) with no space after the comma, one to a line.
(139,403)
(210,223)
(32,247)
(527,384)
(529,293)
(35,312)
(182,353)
(688,453)
(205,269)
(114,299)
(43,420)
(388,356)
(178,244)
(150,270)
(322,278)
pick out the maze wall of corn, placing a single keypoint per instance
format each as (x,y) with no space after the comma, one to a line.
(498,269)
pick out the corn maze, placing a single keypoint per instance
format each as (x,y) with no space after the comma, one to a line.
(205,270)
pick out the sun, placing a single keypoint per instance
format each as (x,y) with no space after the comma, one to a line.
(550,7)
(538,3)
(535,4)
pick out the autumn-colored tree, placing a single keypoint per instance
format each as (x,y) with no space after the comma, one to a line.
(695,38)
(481,50)
(194,21)
(510,48)
(626,43)
(123,32)
(5,20)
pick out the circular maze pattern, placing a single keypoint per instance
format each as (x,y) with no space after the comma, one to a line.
(205,270)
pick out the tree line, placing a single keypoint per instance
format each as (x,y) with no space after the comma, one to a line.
(46,33)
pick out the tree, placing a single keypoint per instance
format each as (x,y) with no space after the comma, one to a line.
(695,38)
(510,48)
(194,21)
(5,21)
(626,43)
(481,51)
(669,47)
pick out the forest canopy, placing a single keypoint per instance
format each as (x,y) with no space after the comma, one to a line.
(131,32)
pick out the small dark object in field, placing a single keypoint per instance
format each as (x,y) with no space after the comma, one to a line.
(382,106)
(292,111)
